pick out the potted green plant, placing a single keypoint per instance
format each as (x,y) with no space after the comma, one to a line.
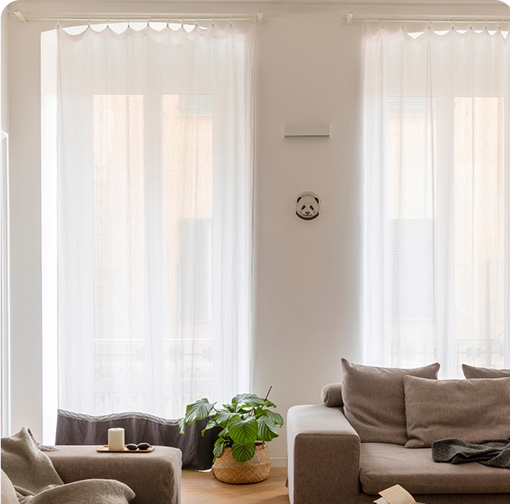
(247,423)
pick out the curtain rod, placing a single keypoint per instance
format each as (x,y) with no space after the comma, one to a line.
(142,18)
(487,20)
(255,17)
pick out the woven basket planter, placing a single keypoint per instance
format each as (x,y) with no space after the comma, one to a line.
(229,470)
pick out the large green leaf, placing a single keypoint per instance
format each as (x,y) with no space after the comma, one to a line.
(222,417)
(219,447)
(223,433)
(243,431)
(198,411)
(210,425)
(275,417)
(243,452)
(250,399)
(267,429)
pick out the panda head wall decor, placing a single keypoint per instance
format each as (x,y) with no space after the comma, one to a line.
(308,206)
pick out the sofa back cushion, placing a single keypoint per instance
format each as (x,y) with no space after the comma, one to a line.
(8,492)
(374,402)
(471,372)
(471,410)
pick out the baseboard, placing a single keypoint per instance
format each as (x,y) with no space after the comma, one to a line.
(278,461)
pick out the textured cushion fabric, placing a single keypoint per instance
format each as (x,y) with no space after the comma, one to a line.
(471,372)
(373,400)
(331,395)
(385,465)
(155,477)
(444,499)
(462,409)
(322,456)
(8,492)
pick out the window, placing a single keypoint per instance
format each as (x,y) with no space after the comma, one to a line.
(154,243)
(412,182)
(480,251)
(436,204)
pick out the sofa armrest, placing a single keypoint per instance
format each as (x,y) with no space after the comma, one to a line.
(323,456)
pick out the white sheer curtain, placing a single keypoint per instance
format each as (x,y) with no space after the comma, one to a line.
(155,162)
(437,199)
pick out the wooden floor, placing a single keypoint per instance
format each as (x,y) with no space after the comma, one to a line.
(204,488)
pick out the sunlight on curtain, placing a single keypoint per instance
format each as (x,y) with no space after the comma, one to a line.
(154,218)
(436,200)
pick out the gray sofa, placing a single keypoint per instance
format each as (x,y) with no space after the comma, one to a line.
(328,464)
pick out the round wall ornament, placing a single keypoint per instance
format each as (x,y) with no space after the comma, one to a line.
(308,206)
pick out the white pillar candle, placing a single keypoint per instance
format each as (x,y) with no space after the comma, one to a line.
(116,439)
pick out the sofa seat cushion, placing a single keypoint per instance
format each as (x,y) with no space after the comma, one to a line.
(385,465)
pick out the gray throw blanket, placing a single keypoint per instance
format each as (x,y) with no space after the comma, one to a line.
(490,453)
(37,482)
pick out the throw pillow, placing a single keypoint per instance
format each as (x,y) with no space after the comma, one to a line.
(374,402)
(471,372)
(470,410)
(331,395)
(8,492)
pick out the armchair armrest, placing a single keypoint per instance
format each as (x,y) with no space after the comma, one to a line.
(323,456)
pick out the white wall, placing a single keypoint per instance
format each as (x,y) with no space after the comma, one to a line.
(4,106)
(307,278)
(25,199)
(307,274)
(5,71)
